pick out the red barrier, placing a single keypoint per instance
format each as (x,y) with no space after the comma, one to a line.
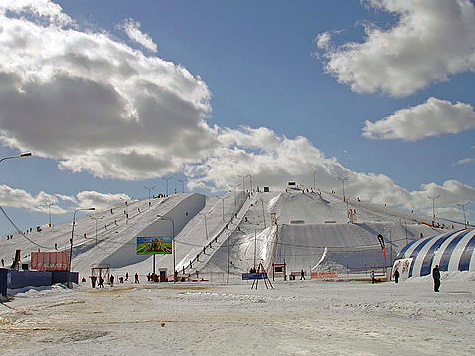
(324,275)
(50,261)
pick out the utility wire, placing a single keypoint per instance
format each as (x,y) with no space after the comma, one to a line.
(21,232)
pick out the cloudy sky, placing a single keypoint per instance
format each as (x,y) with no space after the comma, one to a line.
(115,96)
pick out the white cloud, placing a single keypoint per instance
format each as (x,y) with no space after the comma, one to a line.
(323,40)
(274,160)
(132,29)
(466,161)
(91,199)
(18,198)
(42,9)
(432,40)
(432,118)
(96,104)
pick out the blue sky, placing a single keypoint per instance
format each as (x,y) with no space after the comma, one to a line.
(112,96)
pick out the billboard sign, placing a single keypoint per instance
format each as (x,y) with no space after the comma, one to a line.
(154,245)
(50,261)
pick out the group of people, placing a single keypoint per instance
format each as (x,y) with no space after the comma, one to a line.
(435,277)
(100,280)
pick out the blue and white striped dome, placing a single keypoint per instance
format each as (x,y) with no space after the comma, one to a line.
(452,251)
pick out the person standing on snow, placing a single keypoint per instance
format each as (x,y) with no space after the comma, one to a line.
(136,278)
(436,277)
(93,281)
(396,276)
(302,275)
(111,280)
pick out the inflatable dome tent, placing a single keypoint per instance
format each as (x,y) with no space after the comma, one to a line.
(452,251)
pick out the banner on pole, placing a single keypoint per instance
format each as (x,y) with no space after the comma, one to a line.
(154,245)
(381,242)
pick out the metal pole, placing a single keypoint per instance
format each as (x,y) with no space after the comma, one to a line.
(343,181)
(167,179)
(71,242)
(464,218)
(433,204)
(242,182)
(49,212)
(182,181)
(263,213)
(149,191)
(206,227)
(255,242)
(314,178)
(173,243)
(223,206)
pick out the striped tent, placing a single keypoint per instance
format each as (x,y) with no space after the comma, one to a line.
(452,251)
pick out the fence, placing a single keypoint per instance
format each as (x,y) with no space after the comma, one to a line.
(13,279)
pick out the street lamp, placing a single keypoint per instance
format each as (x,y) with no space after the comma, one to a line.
(27,154)
(49,212)
(343,181)
(243,187)
(263,212)
(223,198)
(206,223)
(463,208)
(314,179)
(344,199)
(234,186)
(433,205)
(182,181)
(71,241)
(96,218)
(173,242)
(167,179)
(149,190)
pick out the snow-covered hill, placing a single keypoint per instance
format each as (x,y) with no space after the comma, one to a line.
(221,237)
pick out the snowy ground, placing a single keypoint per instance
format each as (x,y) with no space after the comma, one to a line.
(295,318)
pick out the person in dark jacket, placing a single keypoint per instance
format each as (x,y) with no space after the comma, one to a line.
(396,276)
(436,277)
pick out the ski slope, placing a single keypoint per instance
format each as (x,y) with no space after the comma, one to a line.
(224,236)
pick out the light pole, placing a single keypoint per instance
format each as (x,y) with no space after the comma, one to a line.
(27,154)
(433,205)
(463,208)
(96,218)
(344,199)
(206,223)
(49,212)
(314,179)
(235,186)
(71,241)
(263,212)
(243,188)
(149,190)
(167,179)
(182,181)
(173,242)
(223,198)
(343,182)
